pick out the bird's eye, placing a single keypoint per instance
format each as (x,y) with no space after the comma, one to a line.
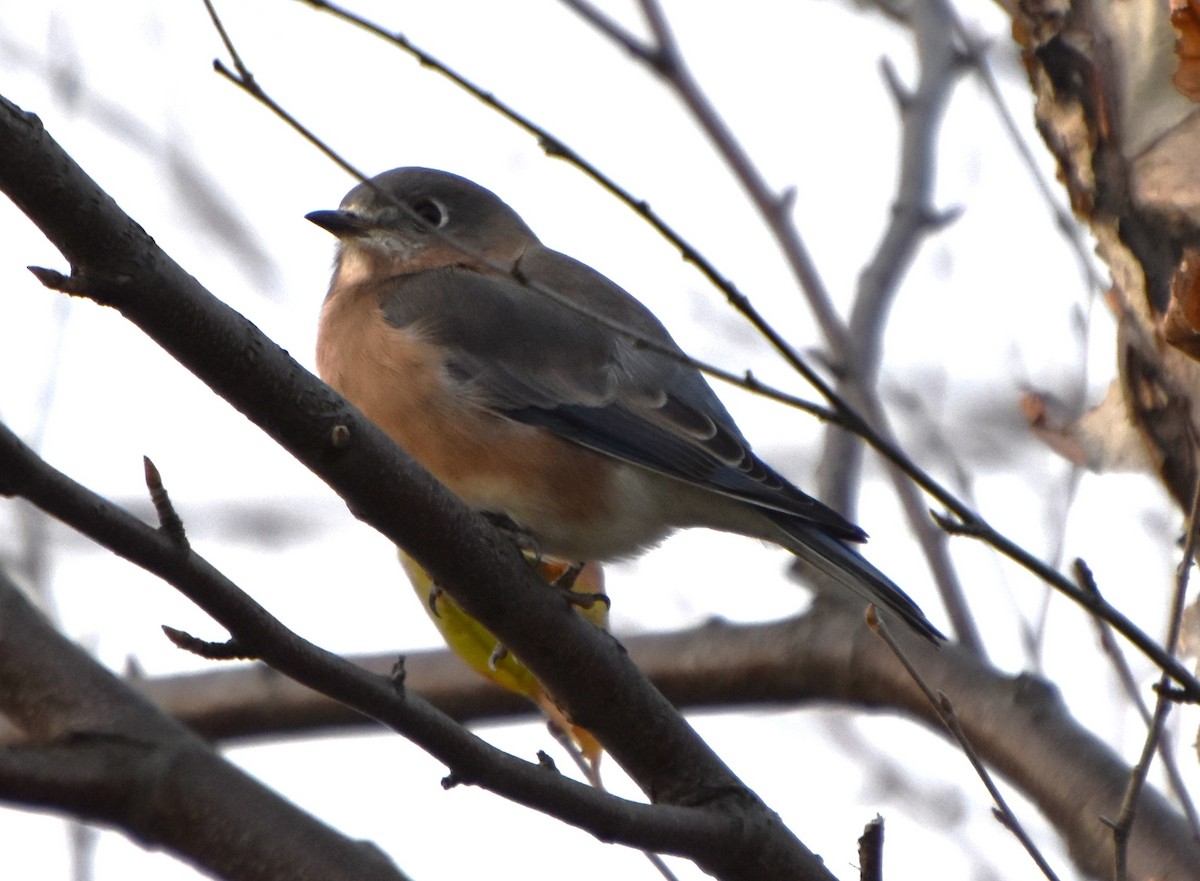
(430,211)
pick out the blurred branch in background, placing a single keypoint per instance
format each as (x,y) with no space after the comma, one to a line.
(195,192)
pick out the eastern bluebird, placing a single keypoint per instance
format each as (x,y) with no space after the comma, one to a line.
(593,446)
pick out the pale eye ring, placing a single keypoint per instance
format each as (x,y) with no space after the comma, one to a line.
(431,211)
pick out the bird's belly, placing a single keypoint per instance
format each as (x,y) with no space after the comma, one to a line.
(576,504)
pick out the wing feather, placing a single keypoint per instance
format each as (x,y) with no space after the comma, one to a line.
(540,363)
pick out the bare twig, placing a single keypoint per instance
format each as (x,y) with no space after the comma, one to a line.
(245,79)
(945,711)
(668,63)
(975,53)
(975,527)
(611,29)
(913,218)
(870,851)
(1133,693)
(1123,825)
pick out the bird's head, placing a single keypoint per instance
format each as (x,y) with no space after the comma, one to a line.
(414,219)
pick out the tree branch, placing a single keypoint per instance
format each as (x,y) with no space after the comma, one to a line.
(103,753)
(1018,724)
(913,217)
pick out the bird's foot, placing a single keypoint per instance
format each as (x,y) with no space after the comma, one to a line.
(565,581)
(559,575)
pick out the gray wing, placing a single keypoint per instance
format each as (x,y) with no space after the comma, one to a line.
(535,361)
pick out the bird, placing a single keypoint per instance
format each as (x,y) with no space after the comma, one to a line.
(543,394)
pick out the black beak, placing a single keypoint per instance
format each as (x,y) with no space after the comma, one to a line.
(340,223)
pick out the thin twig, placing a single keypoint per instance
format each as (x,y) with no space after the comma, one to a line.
(975,53)
(1095,603)
(245,79)
(870,851)
(609,27)
(591,773)
(945,710)
(775,209)
(1123,826)
(913,217)
(1112,649)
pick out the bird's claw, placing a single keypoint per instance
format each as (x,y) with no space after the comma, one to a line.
(566,578)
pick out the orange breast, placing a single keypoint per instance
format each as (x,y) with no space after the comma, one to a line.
(555,489)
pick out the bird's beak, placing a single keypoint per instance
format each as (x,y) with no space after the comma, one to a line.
(340,223)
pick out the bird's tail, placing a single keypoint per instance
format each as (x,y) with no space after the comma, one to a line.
(850,569)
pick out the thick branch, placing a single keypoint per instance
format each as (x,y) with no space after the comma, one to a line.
(1019,725)
(105,754)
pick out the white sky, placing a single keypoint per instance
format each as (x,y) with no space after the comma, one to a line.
(987,310)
